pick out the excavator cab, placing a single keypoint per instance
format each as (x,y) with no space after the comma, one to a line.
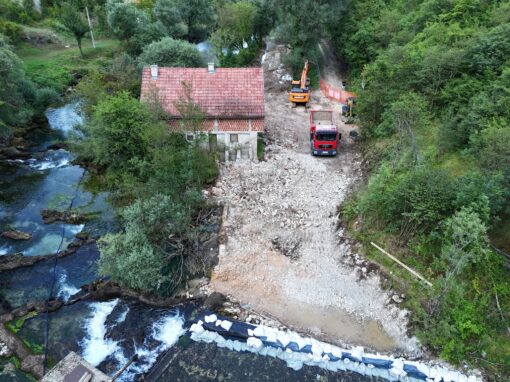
(300,89)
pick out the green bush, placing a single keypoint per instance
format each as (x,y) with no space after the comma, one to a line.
(191,20)
(408,202)
(45,97)
(144,256)
(116,133)
(170,52)
(13,31)
(14,11)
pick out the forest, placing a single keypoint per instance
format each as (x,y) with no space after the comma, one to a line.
(433,79)
(433,85)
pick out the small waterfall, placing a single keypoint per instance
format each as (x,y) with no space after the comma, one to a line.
(167,331)
(65,118)
(164,333)
(65,290)
(95,346)
(52,159)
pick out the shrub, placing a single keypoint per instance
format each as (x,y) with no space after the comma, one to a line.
(144,255)
(116,133)
(170,52)
(12,30)
(45,97)
(493,145)
(411,201)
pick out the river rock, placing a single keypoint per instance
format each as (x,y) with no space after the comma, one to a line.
(216,191)
(17,235)
(33,364)
(11,152)
(4,350)
(214,301)
(51,216)
(21,143)
(82,235)
(58,146)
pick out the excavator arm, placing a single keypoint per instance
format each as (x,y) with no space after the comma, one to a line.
(300,90)
(304,73)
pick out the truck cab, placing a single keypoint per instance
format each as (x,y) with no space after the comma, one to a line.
(324,135)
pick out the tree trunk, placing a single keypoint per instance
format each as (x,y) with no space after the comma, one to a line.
(78,40)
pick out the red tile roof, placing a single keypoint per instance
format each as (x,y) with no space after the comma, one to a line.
(227,93)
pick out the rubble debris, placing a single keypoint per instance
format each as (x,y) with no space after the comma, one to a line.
(288,247)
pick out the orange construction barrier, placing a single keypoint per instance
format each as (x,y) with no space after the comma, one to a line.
(334,93)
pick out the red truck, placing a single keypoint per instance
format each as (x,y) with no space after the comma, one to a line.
(324,134)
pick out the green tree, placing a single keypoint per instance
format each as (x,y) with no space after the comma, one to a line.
(124,18)
(116,134)
(494,146)
(192,19)
(236,24)
(167,12)
(75,22)
(148,254)
(170,52)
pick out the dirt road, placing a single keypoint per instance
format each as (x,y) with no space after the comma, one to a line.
(283,255)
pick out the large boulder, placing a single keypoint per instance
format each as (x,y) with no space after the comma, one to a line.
(51,216)
(17,235)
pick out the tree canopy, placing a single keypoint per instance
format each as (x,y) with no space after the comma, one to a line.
(170,52)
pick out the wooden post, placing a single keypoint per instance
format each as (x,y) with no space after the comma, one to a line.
(90,27)
(402,264)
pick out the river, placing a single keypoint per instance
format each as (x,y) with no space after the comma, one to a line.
(107,333)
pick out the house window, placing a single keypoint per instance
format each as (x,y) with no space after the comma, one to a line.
(234,138)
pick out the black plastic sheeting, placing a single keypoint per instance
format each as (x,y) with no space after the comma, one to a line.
(239,331)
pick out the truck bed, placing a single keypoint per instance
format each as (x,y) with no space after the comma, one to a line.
(322,117)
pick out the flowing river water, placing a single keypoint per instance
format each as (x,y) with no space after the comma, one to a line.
(107,333)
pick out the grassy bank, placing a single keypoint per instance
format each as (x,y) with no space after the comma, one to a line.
(59,67)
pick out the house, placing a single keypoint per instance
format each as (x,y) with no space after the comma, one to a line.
(232,100)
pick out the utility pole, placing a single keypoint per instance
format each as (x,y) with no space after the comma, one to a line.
(90,27)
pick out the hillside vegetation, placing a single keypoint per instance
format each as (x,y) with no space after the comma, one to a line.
(433,79)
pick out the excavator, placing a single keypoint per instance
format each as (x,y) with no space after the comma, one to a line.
(300,91)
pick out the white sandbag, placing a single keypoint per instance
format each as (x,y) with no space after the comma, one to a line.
(316,349)
(283,338)
(226,325)
(254,342)
(210,318)
(259,331)
(196,328)
(358,352)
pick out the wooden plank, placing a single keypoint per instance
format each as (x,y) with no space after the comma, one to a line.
(402,264)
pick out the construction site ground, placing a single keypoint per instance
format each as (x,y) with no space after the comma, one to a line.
(283,254)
